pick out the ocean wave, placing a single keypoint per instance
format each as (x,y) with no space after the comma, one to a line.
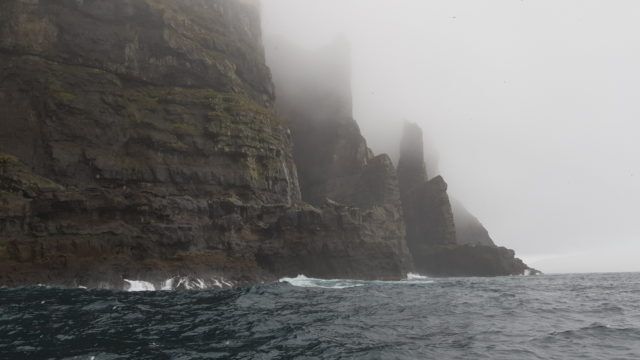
(304,281)
(550,317)
(139,285)
(178,283)
(414,276)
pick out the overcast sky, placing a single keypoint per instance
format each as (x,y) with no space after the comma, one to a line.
(533,106)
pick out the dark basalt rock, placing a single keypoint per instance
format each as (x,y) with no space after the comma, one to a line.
(139,141)
(428,216)
(337,241)
(331,155)
(425,204)
(468,260)
(314,97)
(412,172)
(441,244)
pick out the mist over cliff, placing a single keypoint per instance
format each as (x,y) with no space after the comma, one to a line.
(151,141)
(528,104)
(314,97)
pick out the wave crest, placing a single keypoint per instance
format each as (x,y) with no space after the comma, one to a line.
(178,283)
(304,281)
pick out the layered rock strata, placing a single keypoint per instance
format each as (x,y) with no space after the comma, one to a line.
(145,140)
(139,141)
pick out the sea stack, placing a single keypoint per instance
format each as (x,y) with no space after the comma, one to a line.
(425,203)
(438,246)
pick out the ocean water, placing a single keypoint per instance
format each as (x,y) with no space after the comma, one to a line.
(594,316)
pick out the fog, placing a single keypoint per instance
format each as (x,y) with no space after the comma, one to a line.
(533,107)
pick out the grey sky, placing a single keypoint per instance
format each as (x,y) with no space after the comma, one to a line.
(533,106)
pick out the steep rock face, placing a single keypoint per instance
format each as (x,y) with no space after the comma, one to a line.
(139,141)
(314,96)
(440,243)
(466,260)
(333,160)
(191,43)
(143,91)
(337,241)
(151,118)
(416,165)
(426,206)
(428,216)
(412,171)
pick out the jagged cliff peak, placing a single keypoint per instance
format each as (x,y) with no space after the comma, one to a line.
(313,91)
(145,139)
(412,171)
(440,242)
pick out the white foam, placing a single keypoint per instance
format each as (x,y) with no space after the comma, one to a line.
(183,282)
(303,281)
(167,285)
(139,285)
(414,276)
(200,284)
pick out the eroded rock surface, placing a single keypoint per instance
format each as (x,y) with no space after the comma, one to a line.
(143,140)
(138,141)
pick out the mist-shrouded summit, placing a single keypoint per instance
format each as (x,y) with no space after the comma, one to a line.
(313,95)
(529,105)
(178,147)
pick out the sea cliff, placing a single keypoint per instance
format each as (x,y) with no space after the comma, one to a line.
(145,139)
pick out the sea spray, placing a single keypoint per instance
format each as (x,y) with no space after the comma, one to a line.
(304,281)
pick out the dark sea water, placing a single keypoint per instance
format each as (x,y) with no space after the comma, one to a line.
(539,317)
